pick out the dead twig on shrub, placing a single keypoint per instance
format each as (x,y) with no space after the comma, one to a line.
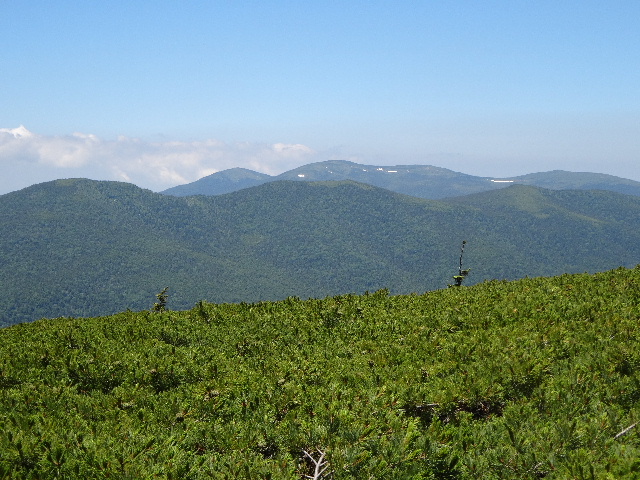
(624,431)
(321,465)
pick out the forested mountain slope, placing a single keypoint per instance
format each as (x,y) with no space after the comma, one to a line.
(80,247)
(536,378)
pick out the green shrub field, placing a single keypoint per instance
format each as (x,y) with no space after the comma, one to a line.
(535,378)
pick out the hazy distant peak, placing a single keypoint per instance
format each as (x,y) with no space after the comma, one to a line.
(225,181)
(423,181)
(230,172)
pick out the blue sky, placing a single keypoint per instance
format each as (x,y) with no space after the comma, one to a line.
(161,93)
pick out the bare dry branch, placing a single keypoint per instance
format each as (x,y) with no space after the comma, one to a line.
(321,465)
(624,431)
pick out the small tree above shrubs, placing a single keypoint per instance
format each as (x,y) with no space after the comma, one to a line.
(462,274)
(161,304)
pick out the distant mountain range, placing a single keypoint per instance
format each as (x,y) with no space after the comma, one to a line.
(421,181)
(85,248)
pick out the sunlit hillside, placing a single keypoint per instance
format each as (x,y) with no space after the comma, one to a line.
(536,378)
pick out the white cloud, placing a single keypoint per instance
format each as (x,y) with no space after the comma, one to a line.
(291,150)
(27,158)
(21,131)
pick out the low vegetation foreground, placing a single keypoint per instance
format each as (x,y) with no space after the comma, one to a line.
(536,378)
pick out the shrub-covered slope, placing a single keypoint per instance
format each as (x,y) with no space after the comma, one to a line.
(537,378)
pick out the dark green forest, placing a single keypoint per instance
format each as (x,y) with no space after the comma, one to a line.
(86,248)
(529,379)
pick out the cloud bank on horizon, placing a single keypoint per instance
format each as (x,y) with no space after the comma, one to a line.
(28,158)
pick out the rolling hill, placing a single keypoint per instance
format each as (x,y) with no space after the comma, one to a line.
(423,181)
(79,247)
